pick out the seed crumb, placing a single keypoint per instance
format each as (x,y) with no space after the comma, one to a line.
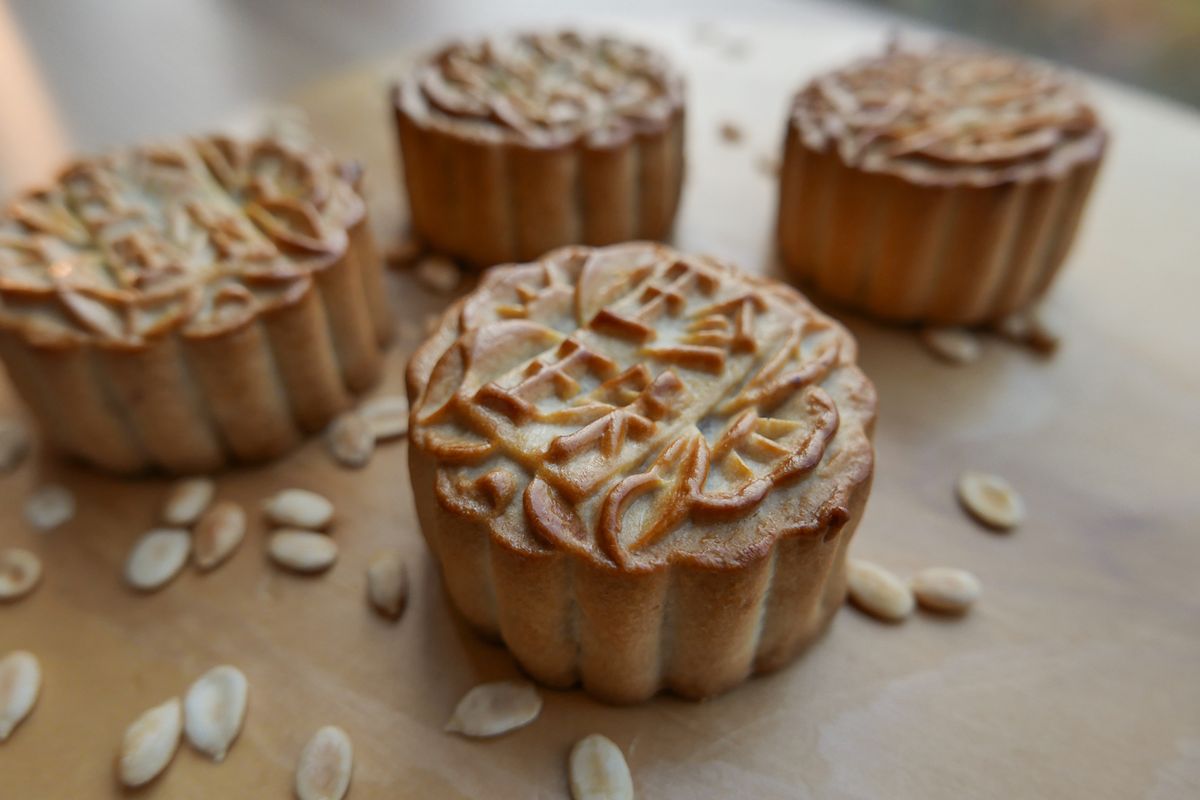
(1027,329)
(730,133)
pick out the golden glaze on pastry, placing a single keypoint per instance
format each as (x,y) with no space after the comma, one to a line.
(518,144)
(941,186)
(639,468)
(183,305)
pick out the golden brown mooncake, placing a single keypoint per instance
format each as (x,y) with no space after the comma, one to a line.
(181,306)
(940,186)
(518,144)
(640,469)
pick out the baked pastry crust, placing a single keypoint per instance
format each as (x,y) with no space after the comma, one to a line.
(515,145)
(640,469)
(942,186)
(181,306)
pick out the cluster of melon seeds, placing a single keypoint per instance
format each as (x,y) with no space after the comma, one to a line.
(596,767)
(300,541)
(885,596)
(193,526)
(211,715)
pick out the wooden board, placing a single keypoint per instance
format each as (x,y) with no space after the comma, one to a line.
(1077,676)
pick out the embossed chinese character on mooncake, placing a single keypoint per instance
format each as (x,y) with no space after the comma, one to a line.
(640,468)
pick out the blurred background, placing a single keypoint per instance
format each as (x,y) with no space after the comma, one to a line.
(1154,44)
(89,74)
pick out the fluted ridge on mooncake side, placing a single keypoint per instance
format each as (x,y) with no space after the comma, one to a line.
(500,171)
(942,186)
(679,525)
(179,307)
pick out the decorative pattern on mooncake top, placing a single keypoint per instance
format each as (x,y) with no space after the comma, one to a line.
(201,235)
(550,88)
(517,144)
(186,305)
(632,401)
(952,110)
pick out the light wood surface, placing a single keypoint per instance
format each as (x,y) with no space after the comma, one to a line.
(1076,676)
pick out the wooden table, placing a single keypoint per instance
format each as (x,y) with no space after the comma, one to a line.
(1078,675)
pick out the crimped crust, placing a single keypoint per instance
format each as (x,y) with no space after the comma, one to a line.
(640,469)
(515,145)
(941,186)
(180,306)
